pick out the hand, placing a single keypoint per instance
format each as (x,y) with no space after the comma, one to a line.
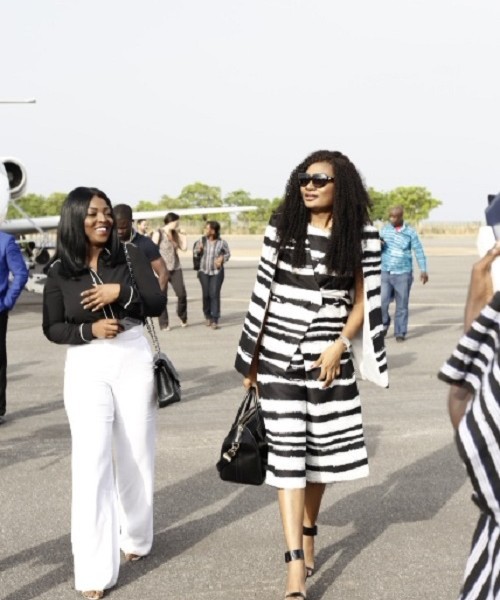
(199,248)
(424,278)
(248,382)
(106,328)
(329,362)
(218,262)
(100,295)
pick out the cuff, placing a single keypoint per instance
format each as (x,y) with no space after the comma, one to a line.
(86,332)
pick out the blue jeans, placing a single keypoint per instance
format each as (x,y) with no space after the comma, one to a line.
(396,286)
(210,290)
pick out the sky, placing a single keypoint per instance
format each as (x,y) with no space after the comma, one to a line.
(141,98)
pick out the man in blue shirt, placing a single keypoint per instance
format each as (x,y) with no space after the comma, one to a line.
(11,263)
(399,240)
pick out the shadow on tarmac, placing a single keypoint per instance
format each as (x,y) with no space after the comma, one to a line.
(408,495)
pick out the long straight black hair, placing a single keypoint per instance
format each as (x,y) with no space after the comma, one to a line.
(71,245)
(350,213)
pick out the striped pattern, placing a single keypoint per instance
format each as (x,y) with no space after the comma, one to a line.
(476,363)
(301,299)
(314,434)
(397,250)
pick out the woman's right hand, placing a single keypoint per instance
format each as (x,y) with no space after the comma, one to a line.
(106,328)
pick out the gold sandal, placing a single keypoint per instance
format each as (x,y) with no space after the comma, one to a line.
(93,594)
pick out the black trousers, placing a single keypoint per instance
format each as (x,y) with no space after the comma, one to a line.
(3,361)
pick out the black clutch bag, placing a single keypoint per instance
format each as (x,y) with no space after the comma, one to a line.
(244,451)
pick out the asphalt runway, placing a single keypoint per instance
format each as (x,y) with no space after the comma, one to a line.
(403,533)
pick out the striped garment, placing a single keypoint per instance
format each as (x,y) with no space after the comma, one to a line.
(397,249)
(475,363)
(211,251)
(302,303)
(315,434)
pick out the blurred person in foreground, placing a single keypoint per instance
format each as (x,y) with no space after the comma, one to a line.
(126,233)
(399,241)
(170,239)
(317,286)
(473,372)
(91,304)
(13,278)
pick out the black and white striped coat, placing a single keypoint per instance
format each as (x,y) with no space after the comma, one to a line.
(475,364)
(302,302)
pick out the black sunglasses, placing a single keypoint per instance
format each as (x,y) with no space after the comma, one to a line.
(319,180)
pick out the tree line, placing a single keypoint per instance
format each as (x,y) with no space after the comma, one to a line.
(417,203)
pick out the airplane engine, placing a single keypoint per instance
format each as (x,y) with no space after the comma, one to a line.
(17,176)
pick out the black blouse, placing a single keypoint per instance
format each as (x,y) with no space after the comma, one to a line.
(65,321)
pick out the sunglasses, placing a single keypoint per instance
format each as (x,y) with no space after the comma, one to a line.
(319,180)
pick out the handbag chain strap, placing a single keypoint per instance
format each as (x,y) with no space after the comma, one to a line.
(149,321)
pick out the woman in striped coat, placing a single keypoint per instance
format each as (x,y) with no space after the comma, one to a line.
(473,371)
(317,286)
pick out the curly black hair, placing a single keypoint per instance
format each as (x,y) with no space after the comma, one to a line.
(350,213)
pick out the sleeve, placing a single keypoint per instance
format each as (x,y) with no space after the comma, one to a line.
(152,298)
(226,251)
(19,270)
(150,249)
(55,327)
(476,349)
(419,252)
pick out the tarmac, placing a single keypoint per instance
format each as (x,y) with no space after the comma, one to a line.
(402,533)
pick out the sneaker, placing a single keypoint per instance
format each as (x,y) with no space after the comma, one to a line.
(214,326)
(208,323)
(400,338)
(165,328)
(184,323)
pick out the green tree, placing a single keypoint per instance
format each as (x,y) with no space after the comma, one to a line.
(200,195)
(416,201)
(380,208)
(36,205)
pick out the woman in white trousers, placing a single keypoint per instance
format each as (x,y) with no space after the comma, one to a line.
(91,304)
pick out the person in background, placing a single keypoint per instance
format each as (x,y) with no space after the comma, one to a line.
(399,240)
(13,278)
(214,253)
(317,282)
(91,304)
(170,239)
(126,233)
(473,372)
(142,227)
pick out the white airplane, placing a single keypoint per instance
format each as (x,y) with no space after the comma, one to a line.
(13,180)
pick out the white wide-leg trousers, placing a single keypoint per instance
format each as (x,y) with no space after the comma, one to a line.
(108,396)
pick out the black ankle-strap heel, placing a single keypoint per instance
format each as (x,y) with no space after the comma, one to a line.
(310,532)
(295,555)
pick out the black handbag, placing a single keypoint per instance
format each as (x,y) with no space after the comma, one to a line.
(196,256)
(167,382)
(243,456)
(166,378)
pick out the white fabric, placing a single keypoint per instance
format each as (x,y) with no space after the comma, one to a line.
(108,396)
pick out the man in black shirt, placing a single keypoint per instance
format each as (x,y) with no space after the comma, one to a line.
(126,233)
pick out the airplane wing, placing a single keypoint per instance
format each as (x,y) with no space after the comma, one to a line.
(36,224)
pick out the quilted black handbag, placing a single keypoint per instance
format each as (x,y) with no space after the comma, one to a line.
(166,378)
(167,382)
(243,456)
